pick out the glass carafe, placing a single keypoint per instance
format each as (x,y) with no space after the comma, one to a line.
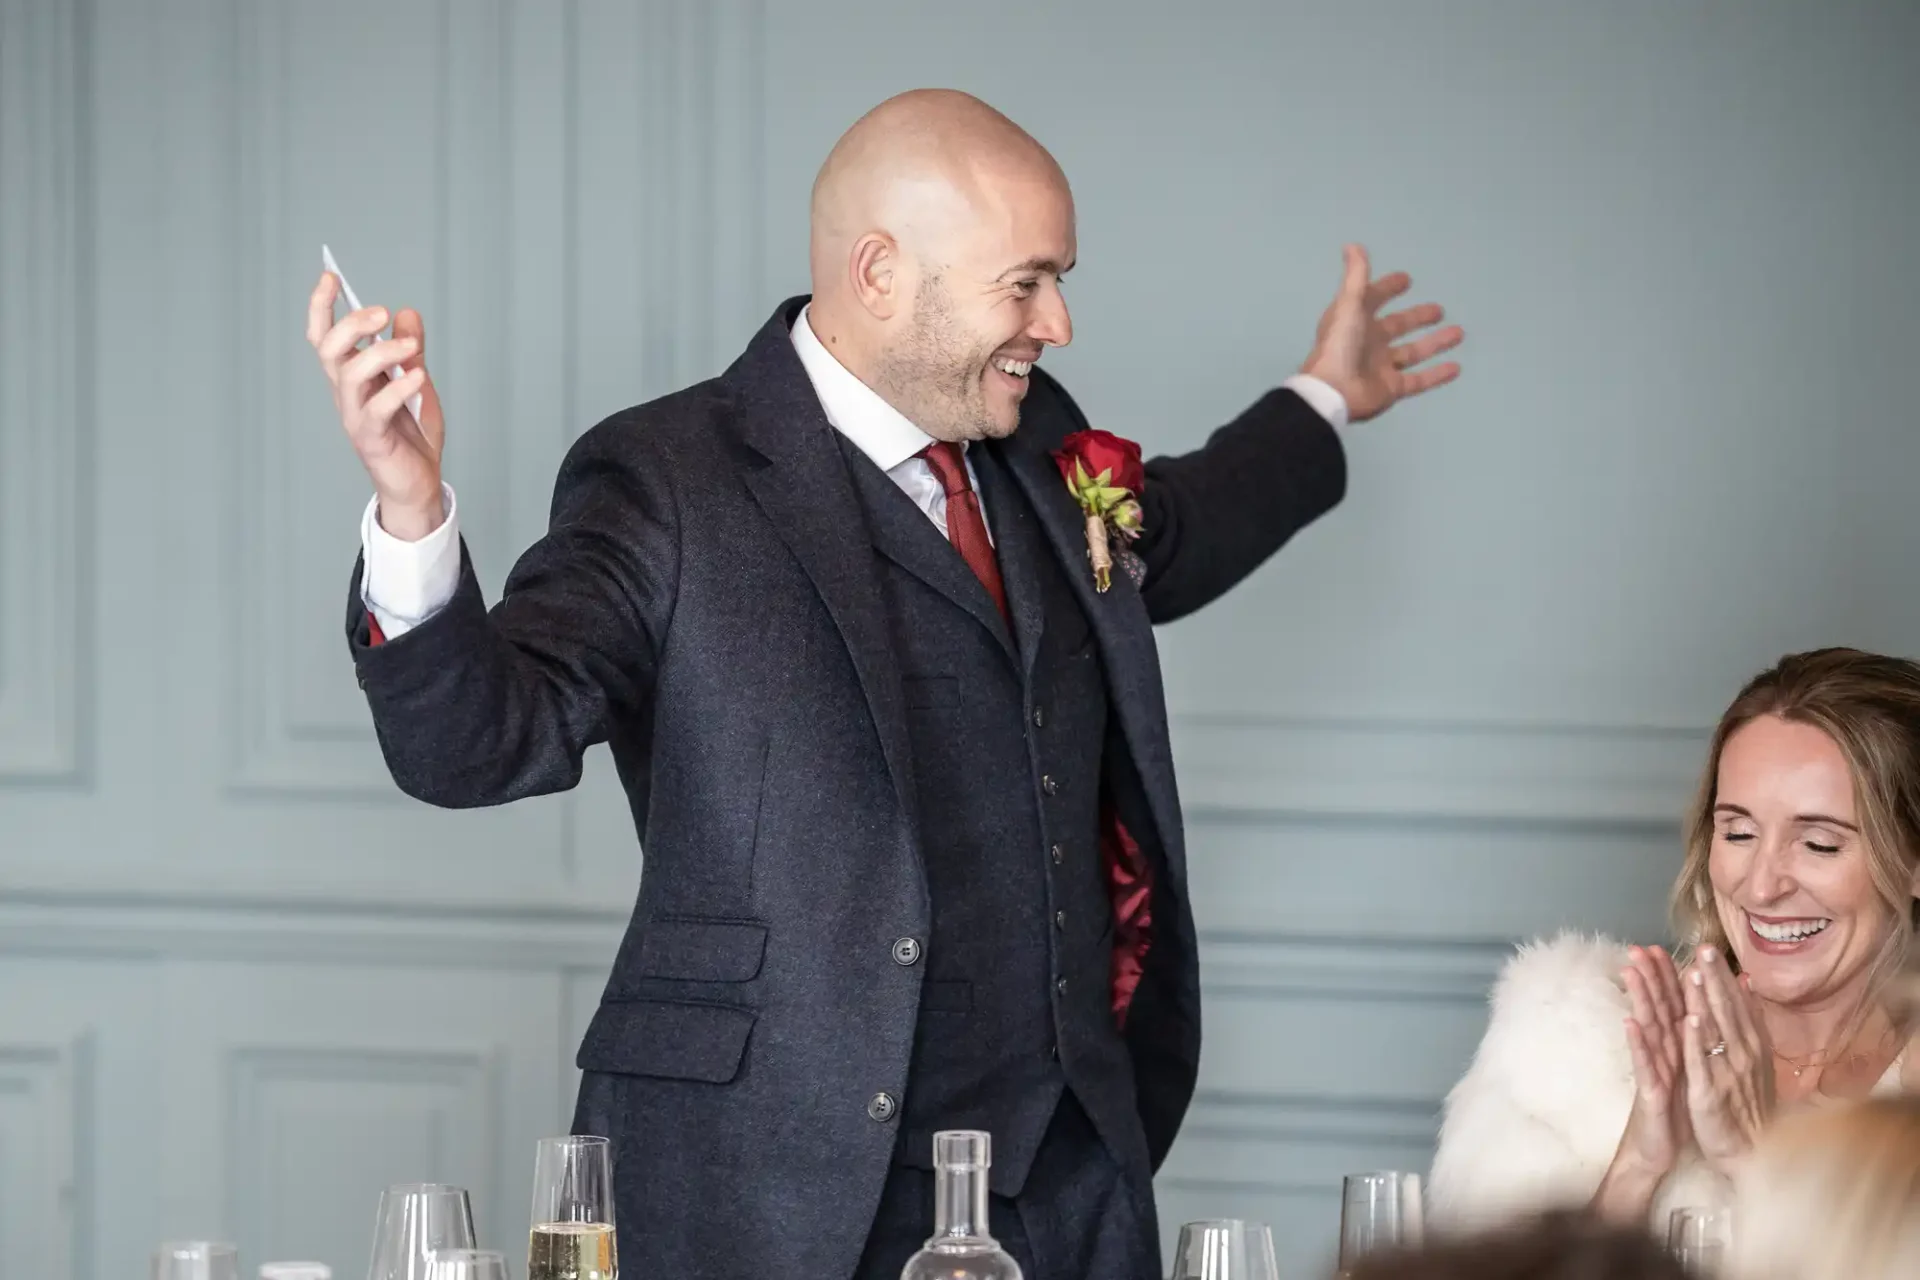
(961,1247)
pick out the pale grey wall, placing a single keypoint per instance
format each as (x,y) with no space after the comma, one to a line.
(243,983)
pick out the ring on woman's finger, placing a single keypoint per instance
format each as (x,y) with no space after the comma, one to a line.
(1717,1049)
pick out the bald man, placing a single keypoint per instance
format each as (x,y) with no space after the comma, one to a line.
(898,763)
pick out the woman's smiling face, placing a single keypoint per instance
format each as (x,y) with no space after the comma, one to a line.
(1789,865)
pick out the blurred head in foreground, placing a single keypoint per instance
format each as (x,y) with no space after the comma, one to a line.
(1832,1194)
(1559,1246)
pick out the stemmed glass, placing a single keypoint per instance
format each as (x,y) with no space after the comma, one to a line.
(467,1264)
(572,1236)
(414,1220)
(1225,1249)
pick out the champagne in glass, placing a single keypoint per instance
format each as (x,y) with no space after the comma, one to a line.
(572,1237)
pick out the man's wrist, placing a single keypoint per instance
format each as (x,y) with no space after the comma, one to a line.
(410,522)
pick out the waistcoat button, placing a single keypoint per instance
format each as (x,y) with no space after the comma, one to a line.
(881,1107)
(906,950)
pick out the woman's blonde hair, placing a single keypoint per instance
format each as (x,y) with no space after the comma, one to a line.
(1870,706)
(1832,1193)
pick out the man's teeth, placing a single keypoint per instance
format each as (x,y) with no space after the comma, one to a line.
(1792,931)
(1018,368)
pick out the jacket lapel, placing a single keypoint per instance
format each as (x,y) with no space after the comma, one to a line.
(903,534)
(1016,542)
(802,483)
(1120,625)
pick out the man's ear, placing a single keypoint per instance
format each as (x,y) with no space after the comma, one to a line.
(876,277)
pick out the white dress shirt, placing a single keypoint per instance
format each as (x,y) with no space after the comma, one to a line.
(405,583)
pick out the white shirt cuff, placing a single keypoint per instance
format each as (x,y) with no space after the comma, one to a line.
(405,583)
(1327,402)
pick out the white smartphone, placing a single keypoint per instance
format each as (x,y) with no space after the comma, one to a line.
(353,304)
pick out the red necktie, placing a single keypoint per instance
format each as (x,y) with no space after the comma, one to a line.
(966,529)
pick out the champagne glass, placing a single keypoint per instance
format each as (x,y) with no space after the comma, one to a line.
(415,1219)
(572,1237)
(1378,1212)
(1225,1249)
(196,1260)
(467,1264)
(1699,1237)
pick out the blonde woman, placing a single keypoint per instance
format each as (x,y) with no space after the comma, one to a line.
(1621,1079)
(1832,1195)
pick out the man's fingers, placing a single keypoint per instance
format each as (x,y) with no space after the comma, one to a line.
(1423,349)
(1353,284)
(1402,323)
(373,364)
(1385,290)
(407,324)
(387,403)
(1412,384)
(340,339)
(320,308)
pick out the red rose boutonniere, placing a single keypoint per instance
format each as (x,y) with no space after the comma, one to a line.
(1106,477)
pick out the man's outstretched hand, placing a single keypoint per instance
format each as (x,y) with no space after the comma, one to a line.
(1375,361)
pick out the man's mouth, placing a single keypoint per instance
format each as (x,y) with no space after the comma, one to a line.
(1013,368)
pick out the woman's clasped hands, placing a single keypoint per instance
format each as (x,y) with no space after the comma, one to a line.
(1703,1066)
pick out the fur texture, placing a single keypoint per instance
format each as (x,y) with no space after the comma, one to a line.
(1535,1121)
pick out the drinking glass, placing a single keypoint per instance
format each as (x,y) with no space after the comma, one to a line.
(416,1218)
(1699,1237)
(467,1264)
(1225,1249)
(572,1236)
(196,1260)
(1378,1211)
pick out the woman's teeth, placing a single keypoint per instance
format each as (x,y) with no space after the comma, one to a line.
(1791,931)
(1018,368)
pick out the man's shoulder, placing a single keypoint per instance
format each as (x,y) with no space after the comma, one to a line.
(684,428)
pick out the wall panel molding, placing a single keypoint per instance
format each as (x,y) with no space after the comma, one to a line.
(44,663)
(287,1101)
(276,751)
(46,1110)
(1279,768)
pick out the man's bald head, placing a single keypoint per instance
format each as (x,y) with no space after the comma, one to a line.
(919,162)
(940,231)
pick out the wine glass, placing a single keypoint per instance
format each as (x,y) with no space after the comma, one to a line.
(1225,1249)
(467,1264)
(415,1219)
(196,1260)
(572,1236)
(1699,1237)
(1378,1212)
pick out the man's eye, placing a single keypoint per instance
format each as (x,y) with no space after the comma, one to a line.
(1025,288)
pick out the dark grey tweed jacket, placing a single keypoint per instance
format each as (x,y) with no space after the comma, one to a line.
(705,602)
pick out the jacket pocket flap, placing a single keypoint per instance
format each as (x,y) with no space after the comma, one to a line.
(702,950)
(677,1040)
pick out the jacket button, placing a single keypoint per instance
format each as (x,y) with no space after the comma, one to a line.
(881,1107)
(1059,919)
(906,950)
(1061,986)
(1058,856)
(1039,720)
(1048,785)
